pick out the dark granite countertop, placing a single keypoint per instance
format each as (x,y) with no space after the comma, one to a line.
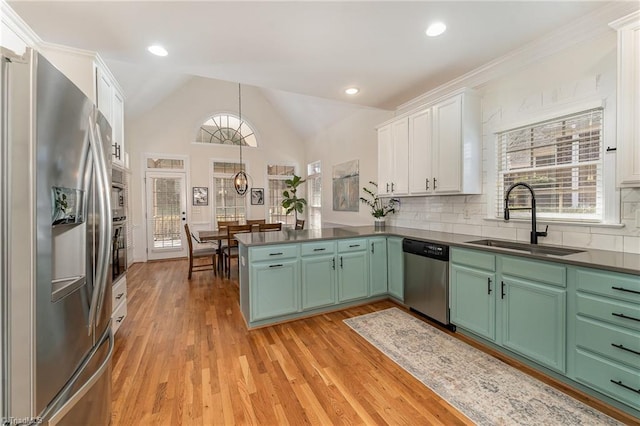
(610,260)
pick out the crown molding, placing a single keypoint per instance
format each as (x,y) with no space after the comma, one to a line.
(588,27)
(12,20)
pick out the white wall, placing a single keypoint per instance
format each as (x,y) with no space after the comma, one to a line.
(573,78)
(170,127)
(353,138)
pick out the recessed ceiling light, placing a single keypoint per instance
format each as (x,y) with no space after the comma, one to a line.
(158,50)
(436,29)
(351,90)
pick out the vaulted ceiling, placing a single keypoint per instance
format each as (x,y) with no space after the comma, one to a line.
(302,53)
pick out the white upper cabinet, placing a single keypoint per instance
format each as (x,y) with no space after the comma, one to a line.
(444,148)
(393,158)
(628,92)
(420,147)
(91,75)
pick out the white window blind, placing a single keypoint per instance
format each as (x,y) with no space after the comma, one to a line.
(228,204)
(314,189)
(561,159)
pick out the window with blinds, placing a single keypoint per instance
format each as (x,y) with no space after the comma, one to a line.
(277,174)
(561,159)
(314,189)
(228,204)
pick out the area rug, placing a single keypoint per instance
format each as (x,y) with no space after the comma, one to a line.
(485,389)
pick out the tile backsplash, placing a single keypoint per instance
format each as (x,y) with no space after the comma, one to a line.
(467,214)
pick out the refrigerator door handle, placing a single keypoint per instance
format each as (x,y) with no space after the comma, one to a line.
(106,221)
(105,226)
(86,387)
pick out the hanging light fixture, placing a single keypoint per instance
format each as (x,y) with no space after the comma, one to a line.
(240,180)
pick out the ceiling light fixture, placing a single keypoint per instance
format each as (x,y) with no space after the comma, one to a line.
(158,50)
(436,29)
(240,180)
(352,91)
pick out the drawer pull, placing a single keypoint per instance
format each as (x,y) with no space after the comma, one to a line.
(279,265)
(319,249)
(619,383)
(333,263)
(354,245)
(276,254)
(119,296)
(624,316)
(625,349)
(625,289)
(488,285)
(502,297)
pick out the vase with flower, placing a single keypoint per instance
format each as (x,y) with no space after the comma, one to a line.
(379,208)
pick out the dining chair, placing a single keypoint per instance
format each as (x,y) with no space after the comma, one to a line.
(267,227)
(200,250)
(254,223)
(230,251)
(222,226)
(299,224)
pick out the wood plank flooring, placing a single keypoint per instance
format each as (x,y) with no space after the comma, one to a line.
(184,356)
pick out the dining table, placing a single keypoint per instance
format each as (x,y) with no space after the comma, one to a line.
(216,235)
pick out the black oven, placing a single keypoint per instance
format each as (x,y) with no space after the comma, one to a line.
(119,250)
(118,196)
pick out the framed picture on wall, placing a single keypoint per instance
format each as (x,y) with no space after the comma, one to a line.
(200,196)
(257,196)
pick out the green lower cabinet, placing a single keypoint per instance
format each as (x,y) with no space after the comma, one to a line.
(534,321)
(274,288)
(473,303)
(395,268)
(353,276)
(377,266)
(318,281)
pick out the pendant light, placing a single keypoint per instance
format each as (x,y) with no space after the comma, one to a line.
(240,180)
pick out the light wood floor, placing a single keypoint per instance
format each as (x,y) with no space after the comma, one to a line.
(184,357)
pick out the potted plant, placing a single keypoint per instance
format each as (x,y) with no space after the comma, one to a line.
(379,208)
(291,202)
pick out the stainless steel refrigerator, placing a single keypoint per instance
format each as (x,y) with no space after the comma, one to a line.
(55,245)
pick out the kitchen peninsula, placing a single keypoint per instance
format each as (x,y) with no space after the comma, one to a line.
(554,308)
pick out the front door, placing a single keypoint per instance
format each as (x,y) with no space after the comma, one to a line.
(166,213)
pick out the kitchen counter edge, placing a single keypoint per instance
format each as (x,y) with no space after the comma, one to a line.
(628,263)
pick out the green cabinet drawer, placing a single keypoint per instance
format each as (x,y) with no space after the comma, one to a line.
(473,258)
(620,286)
(549,273)
(354,244)
(284,251)
(321,247)
(617,343)
(609,310)
(617,381)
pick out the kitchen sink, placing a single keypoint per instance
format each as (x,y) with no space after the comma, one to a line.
(530,248)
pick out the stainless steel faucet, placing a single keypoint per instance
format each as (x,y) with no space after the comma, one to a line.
(534,232)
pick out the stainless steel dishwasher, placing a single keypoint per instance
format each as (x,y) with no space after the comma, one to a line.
(426,279)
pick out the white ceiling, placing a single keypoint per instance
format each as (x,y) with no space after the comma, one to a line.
(303,53)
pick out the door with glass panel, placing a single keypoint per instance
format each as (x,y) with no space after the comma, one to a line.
(166,215)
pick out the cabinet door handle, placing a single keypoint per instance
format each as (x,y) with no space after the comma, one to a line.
(387,186)
(434,183)
(279,265)
(625,289)
(373,250)
(502,296)
(333,263)
(354,245)
(119,296)
(488,285)
(624,316)
(341,262)
(120,318)
(625,349)
(426,184)
(619,383)
(319,249)
(392,186)
(275,254)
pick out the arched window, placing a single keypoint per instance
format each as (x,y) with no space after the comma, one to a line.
(226,129)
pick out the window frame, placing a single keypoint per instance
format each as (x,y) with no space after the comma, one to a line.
(213,198)
(290,218)
(312,175)
(603,182)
